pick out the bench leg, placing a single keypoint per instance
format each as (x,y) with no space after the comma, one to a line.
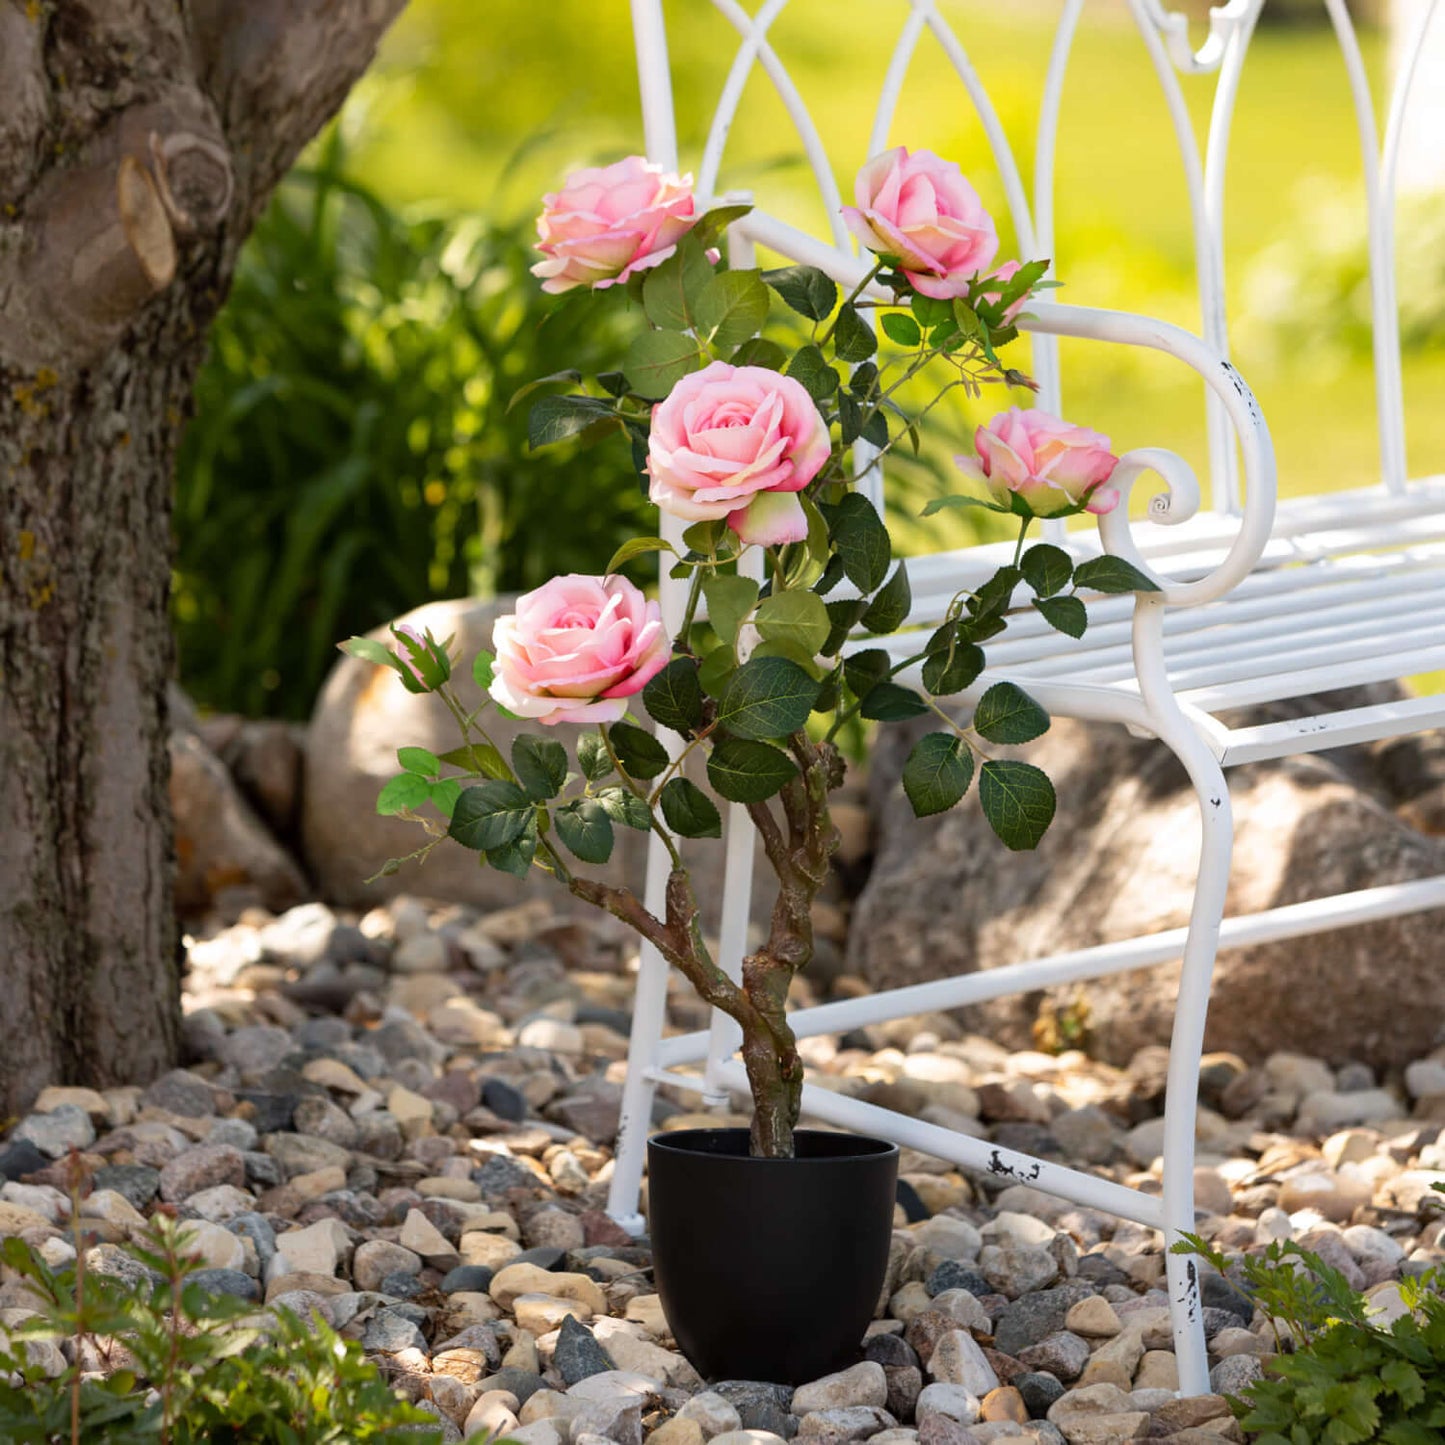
(649,1012)
(1186,1047)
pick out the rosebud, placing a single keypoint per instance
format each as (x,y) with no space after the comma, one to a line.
(425,665)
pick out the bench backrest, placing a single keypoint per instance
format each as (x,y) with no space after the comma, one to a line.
(1179,61)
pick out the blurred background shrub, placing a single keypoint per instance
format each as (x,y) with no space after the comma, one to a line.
(352,454)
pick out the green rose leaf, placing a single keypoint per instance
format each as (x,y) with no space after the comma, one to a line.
(995,595)
(516,857)
(483,669)
(937,773)
(583,825)
(1111,574)
(555,418)
(841,617)
(850,418)
(811,371)
(759,351)
(1007,714)
(1047,568)
(689,811)
(638,547)
(732,307)
(592,757)
(950,670)
(406,791)
(716,668)
(1018,801)
(444,795)
(864,670)
(1067,614)
(673,698)
(540,765)
(657,360)
(729,600)
(900,328)
(420,761)
(369,650)
(641,754)
(670,289)
(705,538)
(797,618)
(767,697)
(939,504)
(861,541)
(623,806)
(712,225)
(490,815)
(480,758)
(853,338)
(807,290)
(744,771)
(891,605)
(891,702)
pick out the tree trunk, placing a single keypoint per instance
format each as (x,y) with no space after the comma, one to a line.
(139,139)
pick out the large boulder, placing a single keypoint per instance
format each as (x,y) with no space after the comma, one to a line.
(363,715)
(946,898)
(221,844)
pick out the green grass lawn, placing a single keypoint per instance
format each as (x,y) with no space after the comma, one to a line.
(487,105)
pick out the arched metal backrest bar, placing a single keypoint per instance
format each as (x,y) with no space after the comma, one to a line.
(1387,314)
(1046,349)
(1148,18)
(1216,162)
(654,80)
(1224,21)
(755,45)
(1379,215)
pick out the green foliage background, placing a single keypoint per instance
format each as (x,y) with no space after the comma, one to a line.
(352,456)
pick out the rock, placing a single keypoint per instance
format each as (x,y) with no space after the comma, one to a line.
(853,1422)
(1234,1374)
(1062,1354)
(390,1332)
(1094,1318)
(19,1158)
(1335,1196)
(944,900)
(422,1237)
(863,1384)
(1103,1429)
(954,1402)
(714,1414)
(540,1314)
(678,1431)
(1030,1319)
(57,1132)
(519,1279)
(215,1247)
(957,1360)
(220,841)
(317,1249)
(467,1278)
(539,1432)
(1004,1403)
(1424,1078)
(578,1354)
(1216,1292)
(204,1167)
(227,1282)
(1039,1390)
(376,1259)
(504,1101)
(1323,1113)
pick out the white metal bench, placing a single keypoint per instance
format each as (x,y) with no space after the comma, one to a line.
(1258,603)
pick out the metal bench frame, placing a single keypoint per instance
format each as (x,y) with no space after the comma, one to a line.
(1243,586)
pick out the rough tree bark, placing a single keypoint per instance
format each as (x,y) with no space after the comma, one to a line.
(139,140)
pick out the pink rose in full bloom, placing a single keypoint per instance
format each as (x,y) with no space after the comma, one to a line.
(576,649)
(738,442)
(609,221)
(1051,463)
(1003,273)
(919,209)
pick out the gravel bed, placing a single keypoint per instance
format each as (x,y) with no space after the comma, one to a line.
(404,1122)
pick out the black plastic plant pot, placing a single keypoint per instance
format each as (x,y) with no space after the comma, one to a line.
(770,1269)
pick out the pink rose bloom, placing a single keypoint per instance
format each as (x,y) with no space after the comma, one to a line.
(920,210)
(610,221)
(1051,463)
(1004,273)
(738,442)
(576,649)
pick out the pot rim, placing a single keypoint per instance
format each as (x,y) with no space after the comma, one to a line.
(680,1140)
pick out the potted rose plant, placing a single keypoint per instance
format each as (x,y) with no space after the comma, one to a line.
(748,436)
